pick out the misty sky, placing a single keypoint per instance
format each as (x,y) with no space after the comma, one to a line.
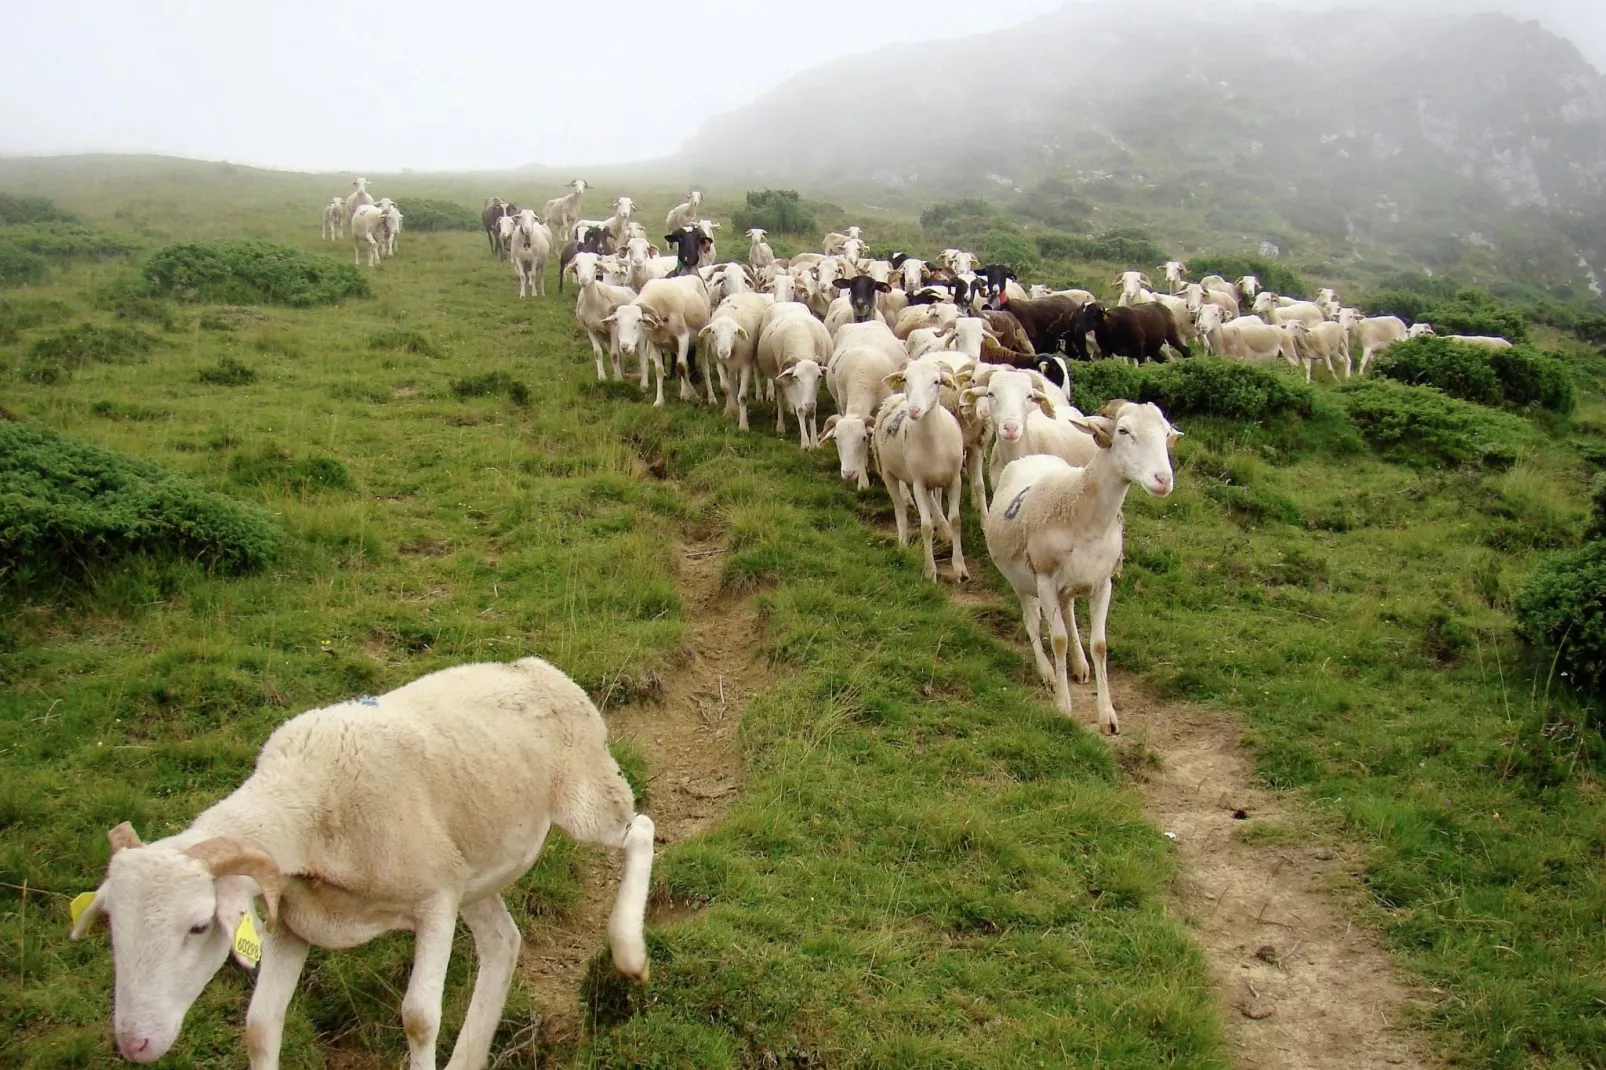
(333,84)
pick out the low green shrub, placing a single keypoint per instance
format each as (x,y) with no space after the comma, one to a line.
(53,357)
(252,273)
(423,214)
(1121,246)
(67,507)
(475,386)
(272,468)
(780,211)
(227,372)
(19,267)
(1204,387)
(1514,378)
(1423,426)
(15,210)
(67,240)
(228,318)
(125,299)
(409,341)
(1561,612)
(1470,312)
(18,314)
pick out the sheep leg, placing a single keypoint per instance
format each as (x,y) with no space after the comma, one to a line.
(923,502)
(1049,596)
(1101,612)
(656,356)
(978,484)
(421,1007)
(900,507)
(682,369)
(596,351)
(741,396)
(803,430)
(780,412)
(605,815)
(1344,362)
(283,955)
(1079,670)
(961,573)
(1032,611)
(496,945)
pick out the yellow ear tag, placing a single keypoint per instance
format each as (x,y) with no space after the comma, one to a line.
(246,944)
(79,904)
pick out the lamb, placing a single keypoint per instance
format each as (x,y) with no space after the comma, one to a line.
(667,312)
(793,351)
(529,247)
(562,213)
(1130,283)
(367,225)
(684,214)
(597,301)
(404,811)
(1323,342)
(732,336)
(334,219)
(1371,333)
(1055,532)
(857,381)
(919,445)
(759,253)
(359,196)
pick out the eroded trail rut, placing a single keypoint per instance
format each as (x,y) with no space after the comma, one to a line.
(1300,984)
(695,767)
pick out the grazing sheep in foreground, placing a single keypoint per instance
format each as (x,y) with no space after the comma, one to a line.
(919,446)
(857,380)
(1055,532)
(667,313)
(732,339)
(793,350)
(334,218)
(404,811)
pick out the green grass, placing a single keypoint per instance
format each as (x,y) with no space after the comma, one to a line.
(926,868)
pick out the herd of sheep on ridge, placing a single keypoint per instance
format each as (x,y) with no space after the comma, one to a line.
(411,809)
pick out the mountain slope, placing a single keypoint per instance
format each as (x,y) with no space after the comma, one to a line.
(1448,140)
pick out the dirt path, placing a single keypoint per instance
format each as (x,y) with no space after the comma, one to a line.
(1300,984)
(695,772)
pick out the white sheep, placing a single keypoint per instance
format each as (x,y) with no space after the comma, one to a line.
(857,382)
(920,447)
(530,245)
(667,313)
(913,272)
(334,218)
(367,226)
(793,350)
(759,253)
(1481,340)
(1327,301)
(1371,333)
(731,336)
(1324,342)
(1257,343)
(1173,273)
(1419,330)
(562,213)
(1249,286)
(390,228)
(683,214)
(358,197)
(405,811)
(1282,310)
(1055,532)
(1131,282)
(596,302)
(1027,414)
(623,209)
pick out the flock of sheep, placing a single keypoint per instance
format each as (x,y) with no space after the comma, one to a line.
(417,807)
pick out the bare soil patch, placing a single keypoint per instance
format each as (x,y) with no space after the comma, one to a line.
(696,771)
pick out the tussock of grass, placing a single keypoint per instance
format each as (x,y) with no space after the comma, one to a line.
(408,341)
(477,386)
(228,371)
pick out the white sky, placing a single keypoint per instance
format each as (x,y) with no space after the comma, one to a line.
(335,84)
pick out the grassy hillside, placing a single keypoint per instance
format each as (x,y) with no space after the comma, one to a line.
(926,867)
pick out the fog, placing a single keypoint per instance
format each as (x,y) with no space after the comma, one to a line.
(333,84)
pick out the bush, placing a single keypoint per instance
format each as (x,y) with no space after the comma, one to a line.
(127,301)
(1561,611)
(780,211)
(1470,312)
(21,314)
(423,214)
(252,273)
(1420,425)
(19,267)
(1121,246)
(64,240)
(15,210)
(1514,378)
(67,507)
(56,355)
(410,341)
(1272,276)
(227,372)
(475,386)
(274,469)
(1006,248)
(1204,387)
(1592,329)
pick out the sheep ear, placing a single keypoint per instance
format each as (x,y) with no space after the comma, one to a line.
(1172,436)
(830,427)
(884,287)
(1044,403)
(122,836)
(895,380)
(87,916)
(226,857)
(842,284)
(742,331)
(971,394)
(705,330)
(1102,428)
(787,375)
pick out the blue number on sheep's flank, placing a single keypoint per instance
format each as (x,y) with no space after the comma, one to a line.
(368,700)
(897,421)
(1014,507)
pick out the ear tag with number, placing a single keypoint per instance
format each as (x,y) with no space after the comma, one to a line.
(247,945)
(79,904)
